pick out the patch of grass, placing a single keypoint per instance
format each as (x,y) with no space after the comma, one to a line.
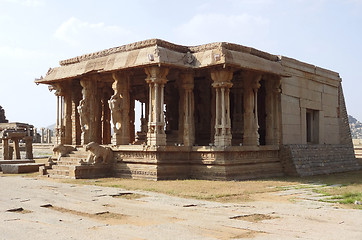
(348,198)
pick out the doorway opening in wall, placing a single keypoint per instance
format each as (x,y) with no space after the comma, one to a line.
(312,126)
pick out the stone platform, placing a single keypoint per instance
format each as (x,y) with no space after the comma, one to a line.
(211,163)
(21,167)
(16,162)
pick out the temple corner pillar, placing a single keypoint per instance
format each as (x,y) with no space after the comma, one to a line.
(251,126)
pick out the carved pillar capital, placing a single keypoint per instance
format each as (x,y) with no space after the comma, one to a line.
(156,74)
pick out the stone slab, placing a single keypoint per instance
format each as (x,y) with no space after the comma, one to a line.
(21,167)
(16,161)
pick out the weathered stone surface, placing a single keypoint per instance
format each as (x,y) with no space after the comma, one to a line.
(21,167)
(16,161)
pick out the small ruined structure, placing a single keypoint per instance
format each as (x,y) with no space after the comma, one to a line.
(16,132)
(45,135)
(215,111)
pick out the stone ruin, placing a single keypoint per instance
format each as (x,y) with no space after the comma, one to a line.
(15,133)
(215,111)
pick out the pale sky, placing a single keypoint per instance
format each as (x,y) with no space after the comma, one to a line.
(36,34)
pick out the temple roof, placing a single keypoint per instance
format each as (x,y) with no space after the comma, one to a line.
(159,52)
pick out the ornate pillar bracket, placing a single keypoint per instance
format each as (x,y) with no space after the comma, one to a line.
(156,79)
(188,109)
(222,83)
(251,126)
(119,105)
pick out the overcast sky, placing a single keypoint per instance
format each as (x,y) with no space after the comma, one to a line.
(37,34)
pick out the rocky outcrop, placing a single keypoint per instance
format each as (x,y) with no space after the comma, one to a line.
(2,115)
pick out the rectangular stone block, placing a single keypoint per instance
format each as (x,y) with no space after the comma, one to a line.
(21,167)
(329,100)
(16,161)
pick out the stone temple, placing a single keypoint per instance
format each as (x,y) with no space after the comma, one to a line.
(214,111)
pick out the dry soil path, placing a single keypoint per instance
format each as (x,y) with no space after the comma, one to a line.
(40,209)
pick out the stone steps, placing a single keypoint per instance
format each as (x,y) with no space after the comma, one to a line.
(70,167)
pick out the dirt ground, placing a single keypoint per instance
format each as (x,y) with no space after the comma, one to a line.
(36,208)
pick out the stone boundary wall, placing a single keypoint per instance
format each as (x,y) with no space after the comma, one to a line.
(308,160)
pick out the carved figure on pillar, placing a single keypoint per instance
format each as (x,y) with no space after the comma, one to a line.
(222,84)
(84,112)
(156,79)
(251,126)
(119,105)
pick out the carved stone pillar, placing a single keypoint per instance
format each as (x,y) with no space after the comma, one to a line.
(251,126)
(67,113)
(6,152)
(28,147)
(119,105)
(238,115)
(76,128)
(86,111)
(16,148)
(272,111)
(222,84)
(49,136)
(188,109)
(156,79)
(132,136)
(59,128)
(106,118)
(42,140)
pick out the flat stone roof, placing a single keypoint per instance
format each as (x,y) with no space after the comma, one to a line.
(162,53)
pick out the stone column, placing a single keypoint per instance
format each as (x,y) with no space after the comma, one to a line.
(132,136)
(28,147)
(251,126)
(41,135)
(156,79)
(119,105)
(59,133)
(222,84)
(238,116)
(6,153)
(76,97)
(106,118)
(276,110)
(67,113)
(188,109)
(49,135)
(35,135)
(16,148)
(85,110)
